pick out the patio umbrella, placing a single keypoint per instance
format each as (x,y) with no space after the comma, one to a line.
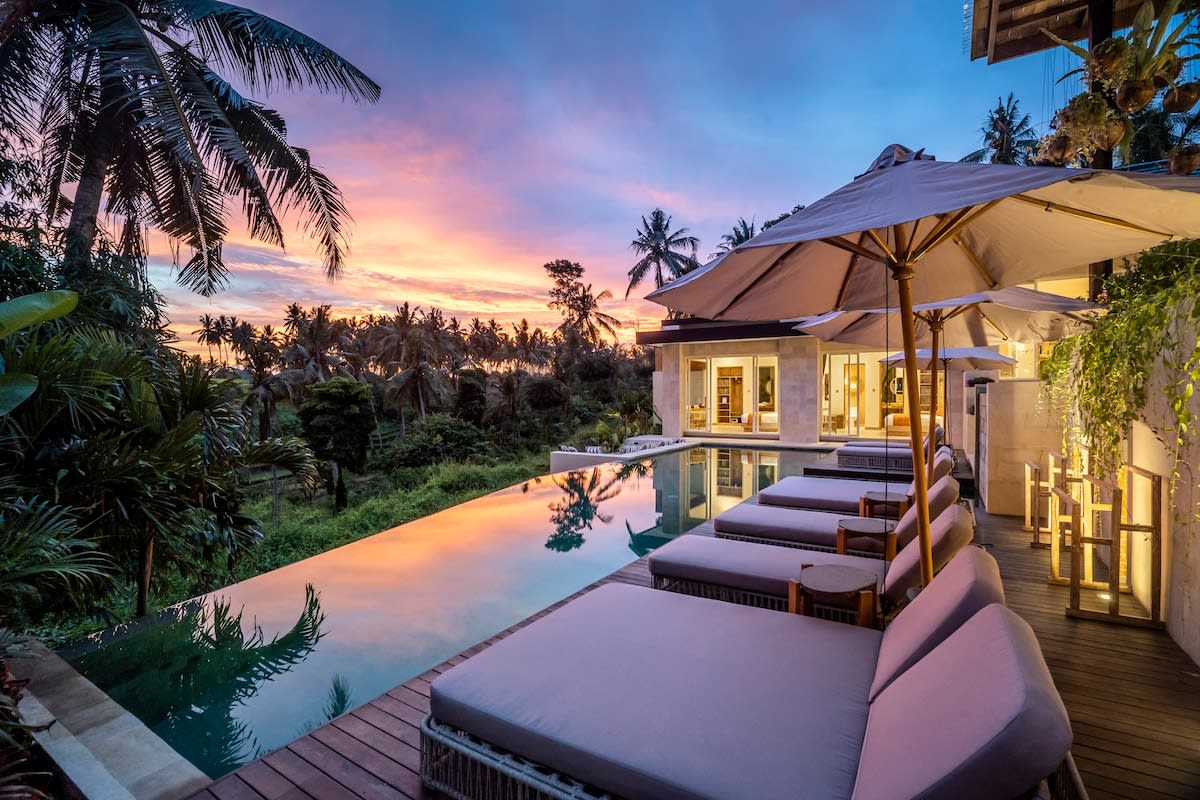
(972,357)
(992,317)
(939,229)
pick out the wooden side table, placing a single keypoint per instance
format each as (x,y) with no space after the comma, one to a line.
(871,501)
(882,530)
(836,585)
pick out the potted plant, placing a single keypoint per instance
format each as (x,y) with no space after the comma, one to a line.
(1055,150)
(1181,98)
(1091,125)
(1184,159)
(1147,61)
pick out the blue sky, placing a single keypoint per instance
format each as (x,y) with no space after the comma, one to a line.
(511,134)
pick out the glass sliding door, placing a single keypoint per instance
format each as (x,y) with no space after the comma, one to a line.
(732,395)
(697,395)
(857,395)
(766,415)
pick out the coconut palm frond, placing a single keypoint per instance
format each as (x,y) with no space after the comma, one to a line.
(266,52)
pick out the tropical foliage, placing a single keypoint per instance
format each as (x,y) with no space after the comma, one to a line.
(666,254)
(130,105)
(1009,137)
(742,232)
(1144,351)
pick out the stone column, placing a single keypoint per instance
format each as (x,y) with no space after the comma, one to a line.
(799,390)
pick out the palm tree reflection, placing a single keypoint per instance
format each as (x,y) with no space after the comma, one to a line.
(187,674)
(583,492)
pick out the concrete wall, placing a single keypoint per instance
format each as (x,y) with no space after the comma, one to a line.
(1181,550)
(1020,429)
(667,388)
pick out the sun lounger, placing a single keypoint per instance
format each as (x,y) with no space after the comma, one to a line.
(871,457)
(837,494)
(817,530)
(754,574)
(895,442)
(629,692)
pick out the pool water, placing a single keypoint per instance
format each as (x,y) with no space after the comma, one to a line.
(228,676)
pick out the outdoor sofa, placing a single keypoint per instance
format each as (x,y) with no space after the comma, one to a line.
(817,530)
(635,693)
(840,494)
(749,573)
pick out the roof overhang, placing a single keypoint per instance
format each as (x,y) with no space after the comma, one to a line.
(692,329)
(1004,29)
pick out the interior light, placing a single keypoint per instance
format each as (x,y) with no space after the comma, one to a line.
(1105,596)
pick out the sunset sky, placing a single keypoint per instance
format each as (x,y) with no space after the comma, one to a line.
(513,134)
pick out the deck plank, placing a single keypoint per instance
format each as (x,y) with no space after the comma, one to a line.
(1133,696)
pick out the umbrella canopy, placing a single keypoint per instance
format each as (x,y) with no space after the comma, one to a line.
(940,229)
(972,357)
(1000,315)
(964,227)
(985,318)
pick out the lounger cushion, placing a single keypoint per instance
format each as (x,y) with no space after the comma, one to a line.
(969,582)
(978,717)
(827,494)
(942,494)
(949,533)
(775,522)
(656,695)
(745,565)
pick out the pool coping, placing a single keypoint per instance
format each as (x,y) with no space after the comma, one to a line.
(107,752)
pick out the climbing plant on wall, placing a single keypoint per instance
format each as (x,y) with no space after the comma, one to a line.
(1146,346)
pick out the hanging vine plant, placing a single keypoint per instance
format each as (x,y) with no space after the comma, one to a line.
(1146,343)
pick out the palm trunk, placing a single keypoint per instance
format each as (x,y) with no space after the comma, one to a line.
(421,400)
(145,571)
(81,230)
(339,488)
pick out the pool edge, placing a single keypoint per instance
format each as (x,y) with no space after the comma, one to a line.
(102,748)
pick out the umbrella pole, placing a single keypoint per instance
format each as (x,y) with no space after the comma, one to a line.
(903,273)
(946,402)
(935,330)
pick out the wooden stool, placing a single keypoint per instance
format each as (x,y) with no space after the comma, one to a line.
(882,530)
(871,501)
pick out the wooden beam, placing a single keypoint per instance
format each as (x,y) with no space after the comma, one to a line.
(1005,29)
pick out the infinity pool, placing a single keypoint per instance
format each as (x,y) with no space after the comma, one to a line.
(236,673)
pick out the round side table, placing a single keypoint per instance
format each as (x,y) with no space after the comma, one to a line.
(882,530)
(870,502)
(839,586)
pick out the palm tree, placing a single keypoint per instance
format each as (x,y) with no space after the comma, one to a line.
(530,348)
(135,110)
(1156,131)
(661,249)
(314,347)
(1008,136)
(585,317)
(742,232)
(207,334)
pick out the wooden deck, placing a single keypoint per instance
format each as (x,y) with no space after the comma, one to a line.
(1133,697)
